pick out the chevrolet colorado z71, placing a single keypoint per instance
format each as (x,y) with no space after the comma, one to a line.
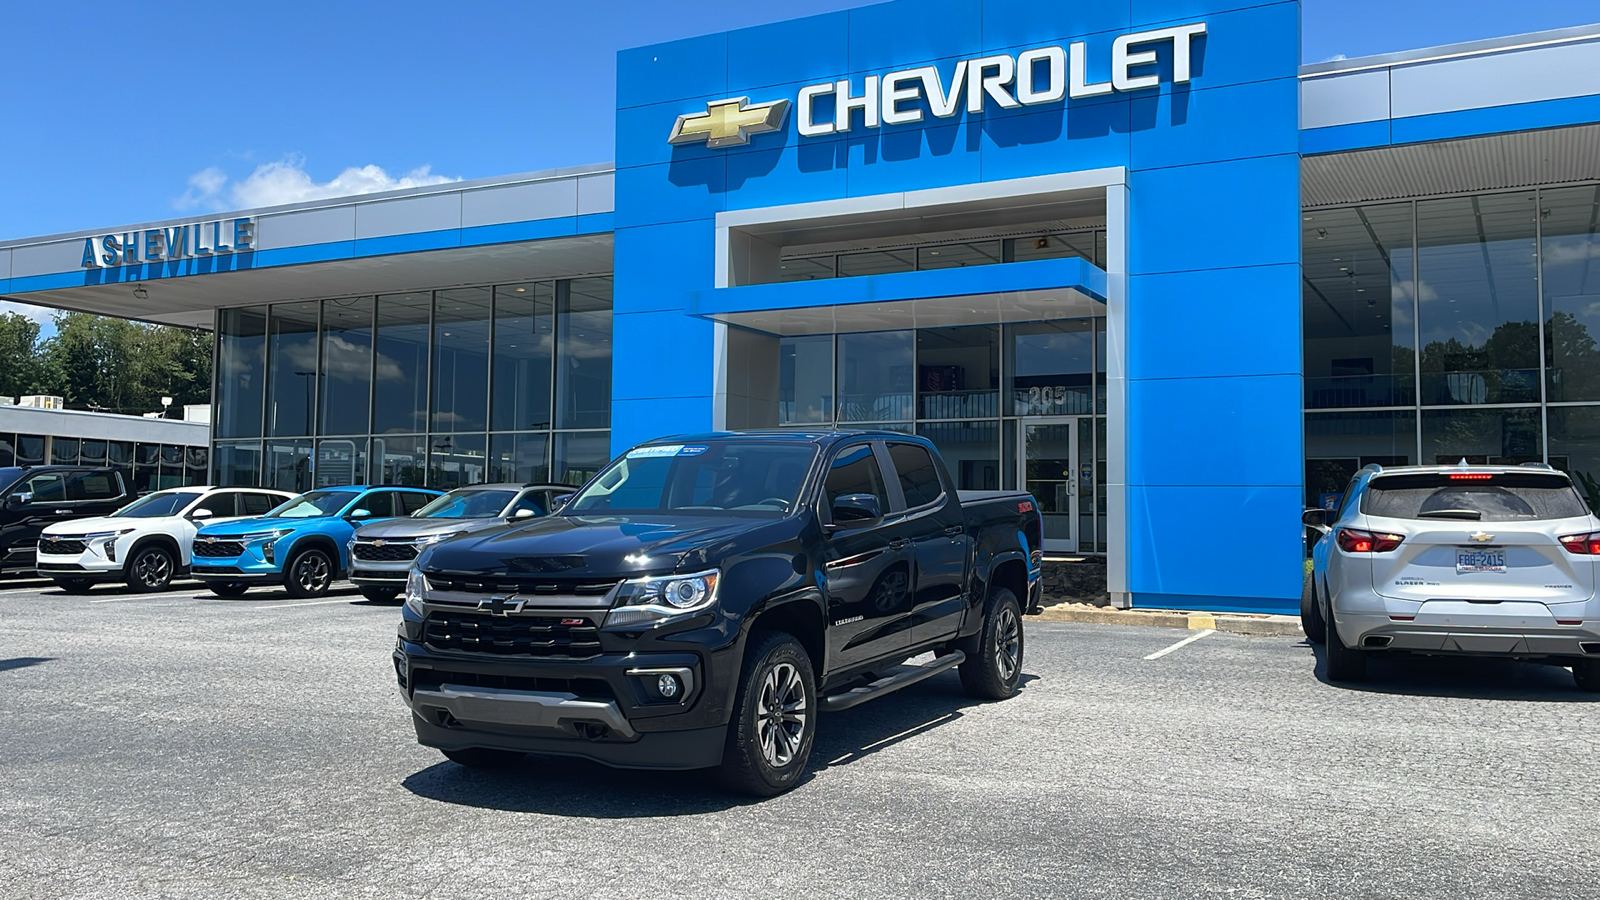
(703,598)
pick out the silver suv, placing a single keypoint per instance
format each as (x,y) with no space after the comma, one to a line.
(381,553)
(1464,560)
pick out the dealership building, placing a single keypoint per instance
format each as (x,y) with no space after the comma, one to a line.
(1133,258)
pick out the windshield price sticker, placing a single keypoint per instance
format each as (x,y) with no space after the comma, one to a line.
(692,450)
(646,452)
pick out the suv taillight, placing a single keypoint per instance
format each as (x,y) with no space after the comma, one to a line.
(1581,544)
(1353,541)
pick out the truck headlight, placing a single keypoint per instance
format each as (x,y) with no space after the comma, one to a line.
(416,584)
(661,597)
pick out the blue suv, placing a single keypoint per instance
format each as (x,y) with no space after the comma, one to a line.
(300,545)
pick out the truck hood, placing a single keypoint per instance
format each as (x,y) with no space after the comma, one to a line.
(599,546)
(404,528)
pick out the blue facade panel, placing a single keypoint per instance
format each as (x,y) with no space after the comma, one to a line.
(1180,563)
(1213,177)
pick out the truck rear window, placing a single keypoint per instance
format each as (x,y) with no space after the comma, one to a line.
(1474,497)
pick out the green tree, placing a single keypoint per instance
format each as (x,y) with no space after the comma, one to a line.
(126,367)
(19,360)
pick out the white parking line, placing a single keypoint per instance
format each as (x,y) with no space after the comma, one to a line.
(1183,643)
(307,603)
(135,597)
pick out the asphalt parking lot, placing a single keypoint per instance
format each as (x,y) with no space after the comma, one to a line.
(178,745)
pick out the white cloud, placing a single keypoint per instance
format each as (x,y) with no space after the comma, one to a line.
(1337,57)
(286,181)
(41,314)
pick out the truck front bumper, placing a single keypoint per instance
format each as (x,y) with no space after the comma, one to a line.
(603,708)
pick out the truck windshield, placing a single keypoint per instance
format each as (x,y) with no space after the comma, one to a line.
(752,477)
(1474,496)
(312,505)
(467,505)
(161,503)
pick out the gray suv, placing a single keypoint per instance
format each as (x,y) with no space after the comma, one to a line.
(381,553)
(1460,560)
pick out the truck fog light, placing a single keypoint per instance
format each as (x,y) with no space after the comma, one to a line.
(667,686)
(268,551)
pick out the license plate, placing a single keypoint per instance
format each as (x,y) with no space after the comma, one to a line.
(1468,561)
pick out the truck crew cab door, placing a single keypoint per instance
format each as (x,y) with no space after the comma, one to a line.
(934,524)
(867,567)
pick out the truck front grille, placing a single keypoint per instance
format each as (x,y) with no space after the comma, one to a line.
(528,588)
(61,546)
(386,553)
(217,549)
(555,637)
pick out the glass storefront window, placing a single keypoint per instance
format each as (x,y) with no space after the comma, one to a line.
(1338,444)
(806,268)
(92,453)
(341,461)
(400,393)
(30,450)
(524,344)
(400,459)
(580,455)
(347,361)
(583,365)
(291,368)
(1492,436)
(1478,299)
(958,372)
(875,376)
(805,380)
(8,450)
(238,463)
(241,371)
(957,256)
(1089,245)
(456,460)
(64,451)
(971,452)
(1570,257)
(461,359)
(288,466)
(519,457)
(877,262)
(1359,307)
(1051,368)
(1575,447)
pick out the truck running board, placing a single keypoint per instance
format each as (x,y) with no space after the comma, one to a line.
(890,683)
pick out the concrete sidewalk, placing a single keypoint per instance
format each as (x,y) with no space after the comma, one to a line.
(1233,623)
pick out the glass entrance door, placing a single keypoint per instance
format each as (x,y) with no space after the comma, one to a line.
(1048,450)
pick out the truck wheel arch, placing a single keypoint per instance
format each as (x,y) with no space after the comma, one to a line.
(800,616)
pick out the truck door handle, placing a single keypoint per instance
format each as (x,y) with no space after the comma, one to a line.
(899,543)
(953,530)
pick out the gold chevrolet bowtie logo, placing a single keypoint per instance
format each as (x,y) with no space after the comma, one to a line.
(729,123)
(1481,537)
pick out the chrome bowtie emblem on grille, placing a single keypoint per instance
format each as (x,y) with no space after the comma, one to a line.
(729,123)
(211,540)
(378,543)
(1481,537)
(501,606)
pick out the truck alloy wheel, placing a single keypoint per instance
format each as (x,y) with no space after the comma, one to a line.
(150,570)
(774,721)
(310,573)
(995,670)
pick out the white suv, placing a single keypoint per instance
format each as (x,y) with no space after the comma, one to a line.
(1460,560)
(146,543)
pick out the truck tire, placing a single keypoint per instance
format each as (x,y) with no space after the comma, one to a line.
(380,594)
(308,574)
(995,670)
(483,757)
(1311,621)
(231,589)
(74,585)
(774,718)
(1344,664)
(1586,673)
(150,569)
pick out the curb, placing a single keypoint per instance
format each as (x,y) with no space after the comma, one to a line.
(1255,625)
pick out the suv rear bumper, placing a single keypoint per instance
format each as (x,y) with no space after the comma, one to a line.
(1510,628)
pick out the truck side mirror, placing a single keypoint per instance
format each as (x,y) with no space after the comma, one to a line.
(856,511)
(18,500)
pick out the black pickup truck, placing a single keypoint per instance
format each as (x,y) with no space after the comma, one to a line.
(703,598)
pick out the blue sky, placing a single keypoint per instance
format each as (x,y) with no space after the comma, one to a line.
(119,113)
